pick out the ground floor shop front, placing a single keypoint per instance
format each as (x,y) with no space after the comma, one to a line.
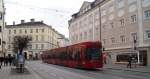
(28,54)
(140,56)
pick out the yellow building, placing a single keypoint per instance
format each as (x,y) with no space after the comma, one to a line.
(44,37)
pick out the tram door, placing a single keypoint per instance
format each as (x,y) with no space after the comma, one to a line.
(143,57)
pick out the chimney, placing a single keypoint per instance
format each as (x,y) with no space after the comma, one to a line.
(32,20)
(42,21)
(22,21)
(13,22)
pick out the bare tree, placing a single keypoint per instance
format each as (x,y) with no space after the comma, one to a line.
(19,44)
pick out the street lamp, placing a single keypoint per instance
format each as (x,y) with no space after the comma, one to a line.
(135,48)
(3,47)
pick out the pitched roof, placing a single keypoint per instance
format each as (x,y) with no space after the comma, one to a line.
(27,24)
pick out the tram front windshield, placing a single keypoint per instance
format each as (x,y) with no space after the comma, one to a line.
(93,53)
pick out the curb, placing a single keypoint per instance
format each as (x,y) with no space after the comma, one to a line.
(128,70)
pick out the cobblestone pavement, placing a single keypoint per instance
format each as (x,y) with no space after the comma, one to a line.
(49,71)
(39,70)
(142,69)
(8,72)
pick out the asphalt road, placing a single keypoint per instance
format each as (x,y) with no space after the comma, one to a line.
(49,71)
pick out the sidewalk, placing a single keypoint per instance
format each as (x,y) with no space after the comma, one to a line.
(142,69)
(7,72)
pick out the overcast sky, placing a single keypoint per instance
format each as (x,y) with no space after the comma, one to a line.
(52,12)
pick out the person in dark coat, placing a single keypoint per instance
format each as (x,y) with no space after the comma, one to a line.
(5,61)
(129,62)
(1,60)
(10,60)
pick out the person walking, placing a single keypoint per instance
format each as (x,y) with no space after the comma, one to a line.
(1,61)
(6,61)
(0,66)
(10,60)
(129,62)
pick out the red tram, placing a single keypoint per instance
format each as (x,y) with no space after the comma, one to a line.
(83,55)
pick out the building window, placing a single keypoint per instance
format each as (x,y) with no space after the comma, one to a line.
(113,40)
(30,46)
(85,35)
(90,34)
(122,37)
(9,46)
(148,34)
(147,14)
(112,25)
(104,27)
(20,31)
(42,30)
(133,18)
(81,36)
(9,38)
(104,41)
(25,31)
(36,46)
(90,19)
(42,46)
(9,31)
(31,30)
(134,36)
(120,4)
(0,28)
(76,38)
(131,1)
(42,38)
(120,1)
(0,41)
(36,37)
(36,30)
(122,22)
(14,31)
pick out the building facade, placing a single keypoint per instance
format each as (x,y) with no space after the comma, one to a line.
(124,28)
(84,25)
(44,37)
(2,25)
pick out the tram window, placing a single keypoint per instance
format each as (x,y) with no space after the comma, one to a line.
(93,53)
(70,56)
(77,55)
(63,56)
(88,56)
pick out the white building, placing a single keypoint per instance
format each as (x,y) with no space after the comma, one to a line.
(122,26)
(44,37)
(85,25)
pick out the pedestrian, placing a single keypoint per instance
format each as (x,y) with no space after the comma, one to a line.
(10,60)
(129,62)
(1,61)
(5,61)
(0,66)
(13,61)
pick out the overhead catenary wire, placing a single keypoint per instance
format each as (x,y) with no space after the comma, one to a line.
(60,13)
(36,7)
